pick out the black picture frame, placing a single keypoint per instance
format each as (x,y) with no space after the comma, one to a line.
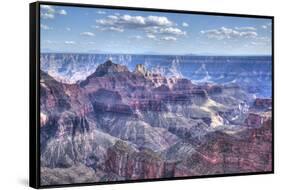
(34,91)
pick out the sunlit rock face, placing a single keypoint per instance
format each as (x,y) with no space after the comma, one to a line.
(118,124)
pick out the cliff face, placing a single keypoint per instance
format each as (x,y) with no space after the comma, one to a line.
(52,95)
(134,164)
(263,103)
(118,125)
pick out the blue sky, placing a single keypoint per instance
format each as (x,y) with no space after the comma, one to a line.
(91,30)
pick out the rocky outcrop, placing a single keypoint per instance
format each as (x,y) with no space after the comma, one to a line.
(74,174)
(133,164)
(109,68)
(262,103)
(213,89)
(182,85)
(254,120)
(52,95)
(140,69)
(220,153)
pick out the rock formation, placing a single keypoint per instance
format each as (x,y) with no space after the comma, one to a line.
(123,125)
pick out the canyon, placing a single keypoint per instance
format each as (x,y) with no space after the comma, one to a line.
(128,124)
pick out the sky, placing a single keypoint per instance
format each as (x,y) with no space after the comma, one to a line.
(96,30)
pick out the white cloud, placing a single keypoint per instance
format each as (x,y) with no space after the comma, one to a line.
(168,30)
(137,37)
(87,34)
(47,8)
(62,12)
(70,42)
(151,36)
(258,43)
(184,24)
(68,29)
(116,29)
(45,27)
(111,28)
(101,12)
(154,26)
(152,29)
(131,22)
(245,28)
(49,12)
(228,33)
(266,26)
(158,21)
(264,39)
(168,38)
(122,21)
(248,34)
(50,42)
(47,16)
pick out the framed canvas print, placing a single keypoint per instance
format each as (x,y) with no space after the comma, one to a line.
(121,94)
